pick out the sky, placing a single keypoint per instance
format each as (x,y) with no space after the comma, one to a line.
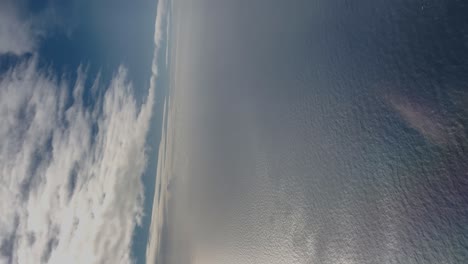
(81,103)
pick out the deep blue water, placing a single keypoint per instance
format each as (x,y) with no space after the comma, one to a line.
(320,132)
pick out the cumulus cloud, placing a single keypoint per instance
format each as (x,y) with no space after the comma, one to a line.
(70,173)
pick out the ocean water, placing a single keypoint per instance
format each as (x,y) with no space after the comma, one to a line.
(318,132)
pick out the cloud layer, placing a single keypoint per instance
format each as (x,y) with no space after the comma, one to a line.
(156,223)
(70,181)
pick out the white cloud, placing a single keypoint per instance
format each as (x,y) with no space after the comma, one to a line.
(70,174)
(160,195)
(22,30)
(156,223)
(161,11)
(17,35)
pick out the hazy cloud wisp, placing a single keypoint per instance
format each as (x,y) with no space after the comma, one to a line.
(17,35)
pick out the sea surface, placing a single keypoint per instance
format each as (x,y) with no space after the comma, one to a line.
(318,131)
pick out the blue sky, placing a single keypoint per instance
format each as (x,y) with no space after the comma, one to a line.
(105,34)
(81,103)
